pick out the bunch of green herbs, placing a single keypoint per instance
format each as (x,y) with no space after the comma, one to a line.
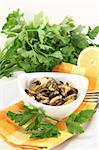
(39,45)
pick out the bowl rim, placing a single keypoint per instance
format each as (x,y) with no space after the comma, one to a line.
(49,106)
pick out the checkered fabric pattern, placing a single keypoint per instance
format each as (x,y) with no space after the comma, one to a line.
(15,136)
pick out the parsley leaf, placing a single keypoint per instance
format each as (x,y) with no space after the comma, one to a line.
(45,130)
(74,121)
(79,40)
(84,116)
(38,19)
(74,127)
(14,24)
(92,33)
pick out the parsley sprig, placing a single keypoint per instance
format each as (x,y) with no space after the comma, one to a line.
(40,127)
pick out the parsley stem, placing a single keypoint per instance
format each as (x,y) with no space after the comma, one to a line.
(52,118)
(10,33)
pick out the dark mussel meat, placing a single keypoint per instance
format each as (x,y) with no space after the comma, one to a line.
(50,91)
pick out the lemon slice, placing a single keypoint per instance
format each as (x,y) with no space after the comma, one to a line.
(89,58)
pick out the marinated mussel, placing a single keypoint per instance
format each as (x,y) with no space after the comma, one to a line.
(50,91)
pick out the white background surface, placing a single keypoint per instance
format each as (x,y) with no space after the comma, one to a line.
(84,12)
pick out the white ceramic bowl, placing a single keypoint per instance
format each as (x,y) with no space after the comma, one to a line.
(78,81)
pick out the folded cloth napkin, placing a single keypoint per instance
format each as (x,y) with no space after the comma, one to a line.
(15,135)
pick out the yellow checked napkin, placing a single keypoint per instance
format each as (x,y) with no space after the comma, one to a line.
(15,136)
